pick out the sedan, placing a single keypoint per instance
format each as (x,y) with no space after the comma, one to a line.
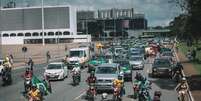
(137,62)
(56,71)
(162,67)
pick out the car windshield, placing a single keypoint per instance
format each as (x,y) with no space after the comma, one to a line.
(106,70)
(76,53)
(136,53)
(54,66)
(136,58)
(122,63)
(162,63)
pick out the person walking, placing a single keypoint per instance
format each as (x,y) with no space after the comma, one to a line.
(30,63)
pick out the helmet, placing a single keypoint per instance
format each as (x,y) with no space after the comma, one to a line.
(6,59)
(119,77)
(92,73)
(34,86)
(183,79)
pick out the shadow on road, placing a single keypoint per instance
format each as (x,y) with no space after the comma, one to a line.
(194,82)
(165,83)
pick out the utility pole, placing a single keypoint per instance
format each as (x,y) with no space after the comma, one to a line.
(42,8)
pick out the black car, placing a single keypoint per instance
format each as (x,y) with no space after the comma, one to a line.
(162,67)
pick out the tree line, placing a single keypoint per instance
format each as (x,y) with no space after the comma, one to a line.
(188,24)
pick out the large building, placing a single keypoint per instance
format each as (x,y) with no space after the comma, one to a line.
(33,25)
(111,22)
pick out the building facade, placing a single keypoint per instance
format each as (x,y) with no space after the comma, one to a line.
(111,22)
(28,25)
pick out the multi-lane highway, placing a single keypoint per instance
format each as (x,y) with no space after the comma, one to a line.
(64,91)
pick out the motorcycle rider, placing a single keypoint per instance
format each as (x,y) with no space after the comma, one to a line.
(6,72)
(34,94)
(119,84)
(76,70)
(182,87)
(138,76)
(91,79)
(179,67)
(7,64)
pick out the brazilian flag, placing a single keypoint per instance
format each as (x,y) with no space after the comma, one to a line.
(42,85)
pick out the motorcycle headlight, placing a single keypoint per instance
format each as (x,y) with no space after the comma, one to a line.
(154,69)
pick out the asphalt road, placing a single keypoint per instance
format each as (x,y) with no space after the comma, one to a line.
(64,91)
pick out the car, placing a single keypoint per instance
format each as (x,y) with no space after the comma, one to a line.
(162,67)
(56,71)
(95,61)
(136,62)
(125,68)
(1,66)
(106,73)
(169,55)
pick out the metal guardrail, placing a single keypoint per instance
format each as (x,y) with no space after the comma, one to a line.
(190,97)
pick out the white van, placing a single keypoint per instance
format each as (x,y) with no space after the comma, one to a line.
(80,55)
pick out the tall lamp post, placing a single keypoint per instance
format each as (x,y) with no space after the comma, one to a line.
(42,9)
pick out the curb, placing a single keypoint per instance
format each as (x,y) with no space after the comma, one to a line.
(189,92)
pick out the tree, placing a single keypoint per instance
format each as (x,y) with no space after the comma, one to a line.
(188,23)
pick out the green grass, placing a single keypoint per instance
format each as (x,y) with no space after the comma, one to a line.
(183,48)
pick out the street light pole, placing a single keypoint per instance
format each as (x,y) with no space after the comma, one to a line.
(42,8)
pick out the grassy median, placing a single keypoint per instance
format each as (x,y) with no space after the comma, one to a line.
(197,63)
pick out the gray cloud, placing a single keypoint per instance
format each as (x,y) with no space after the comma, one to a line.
(158,12)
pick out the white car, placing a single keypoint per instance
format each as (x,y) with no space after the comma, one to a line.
(1,66)
(56,71)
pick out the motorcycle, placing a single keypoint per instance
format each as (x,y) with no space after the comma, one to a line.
(144,95)
(75,78)
(178,76)
(27,84)
(157,95)
(116,94)
(91,93)
(6,76)
(136,89)
(182,95)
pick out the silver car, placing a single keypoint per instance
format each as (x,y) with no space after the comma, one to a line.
(136,62)
(105,74)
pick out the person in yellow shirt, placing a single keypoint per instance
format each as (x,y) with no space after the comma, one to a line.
(119,83)
(7,63)
(34,94)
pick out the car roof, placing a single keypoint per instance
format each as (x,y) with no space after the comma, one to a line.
(56,63)
(76,49)
(108,65)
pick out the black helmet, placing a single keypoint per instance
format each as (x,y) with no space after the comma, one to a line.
(92,72)
(119,77)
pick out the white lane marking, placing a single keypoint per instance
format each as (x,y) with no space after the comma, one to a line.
(83,92)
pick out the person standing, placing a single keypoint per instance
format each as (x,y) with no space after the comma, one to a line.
(30,63)
(48,56)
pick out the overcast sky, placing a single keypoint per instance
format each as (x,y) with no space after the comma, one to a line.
(158,12)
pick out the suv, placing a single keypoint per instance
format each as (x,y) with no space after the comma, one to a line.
(162,67)
(105,74)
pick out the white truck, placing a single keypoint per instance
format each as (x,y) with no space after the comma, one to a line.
(79,55)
